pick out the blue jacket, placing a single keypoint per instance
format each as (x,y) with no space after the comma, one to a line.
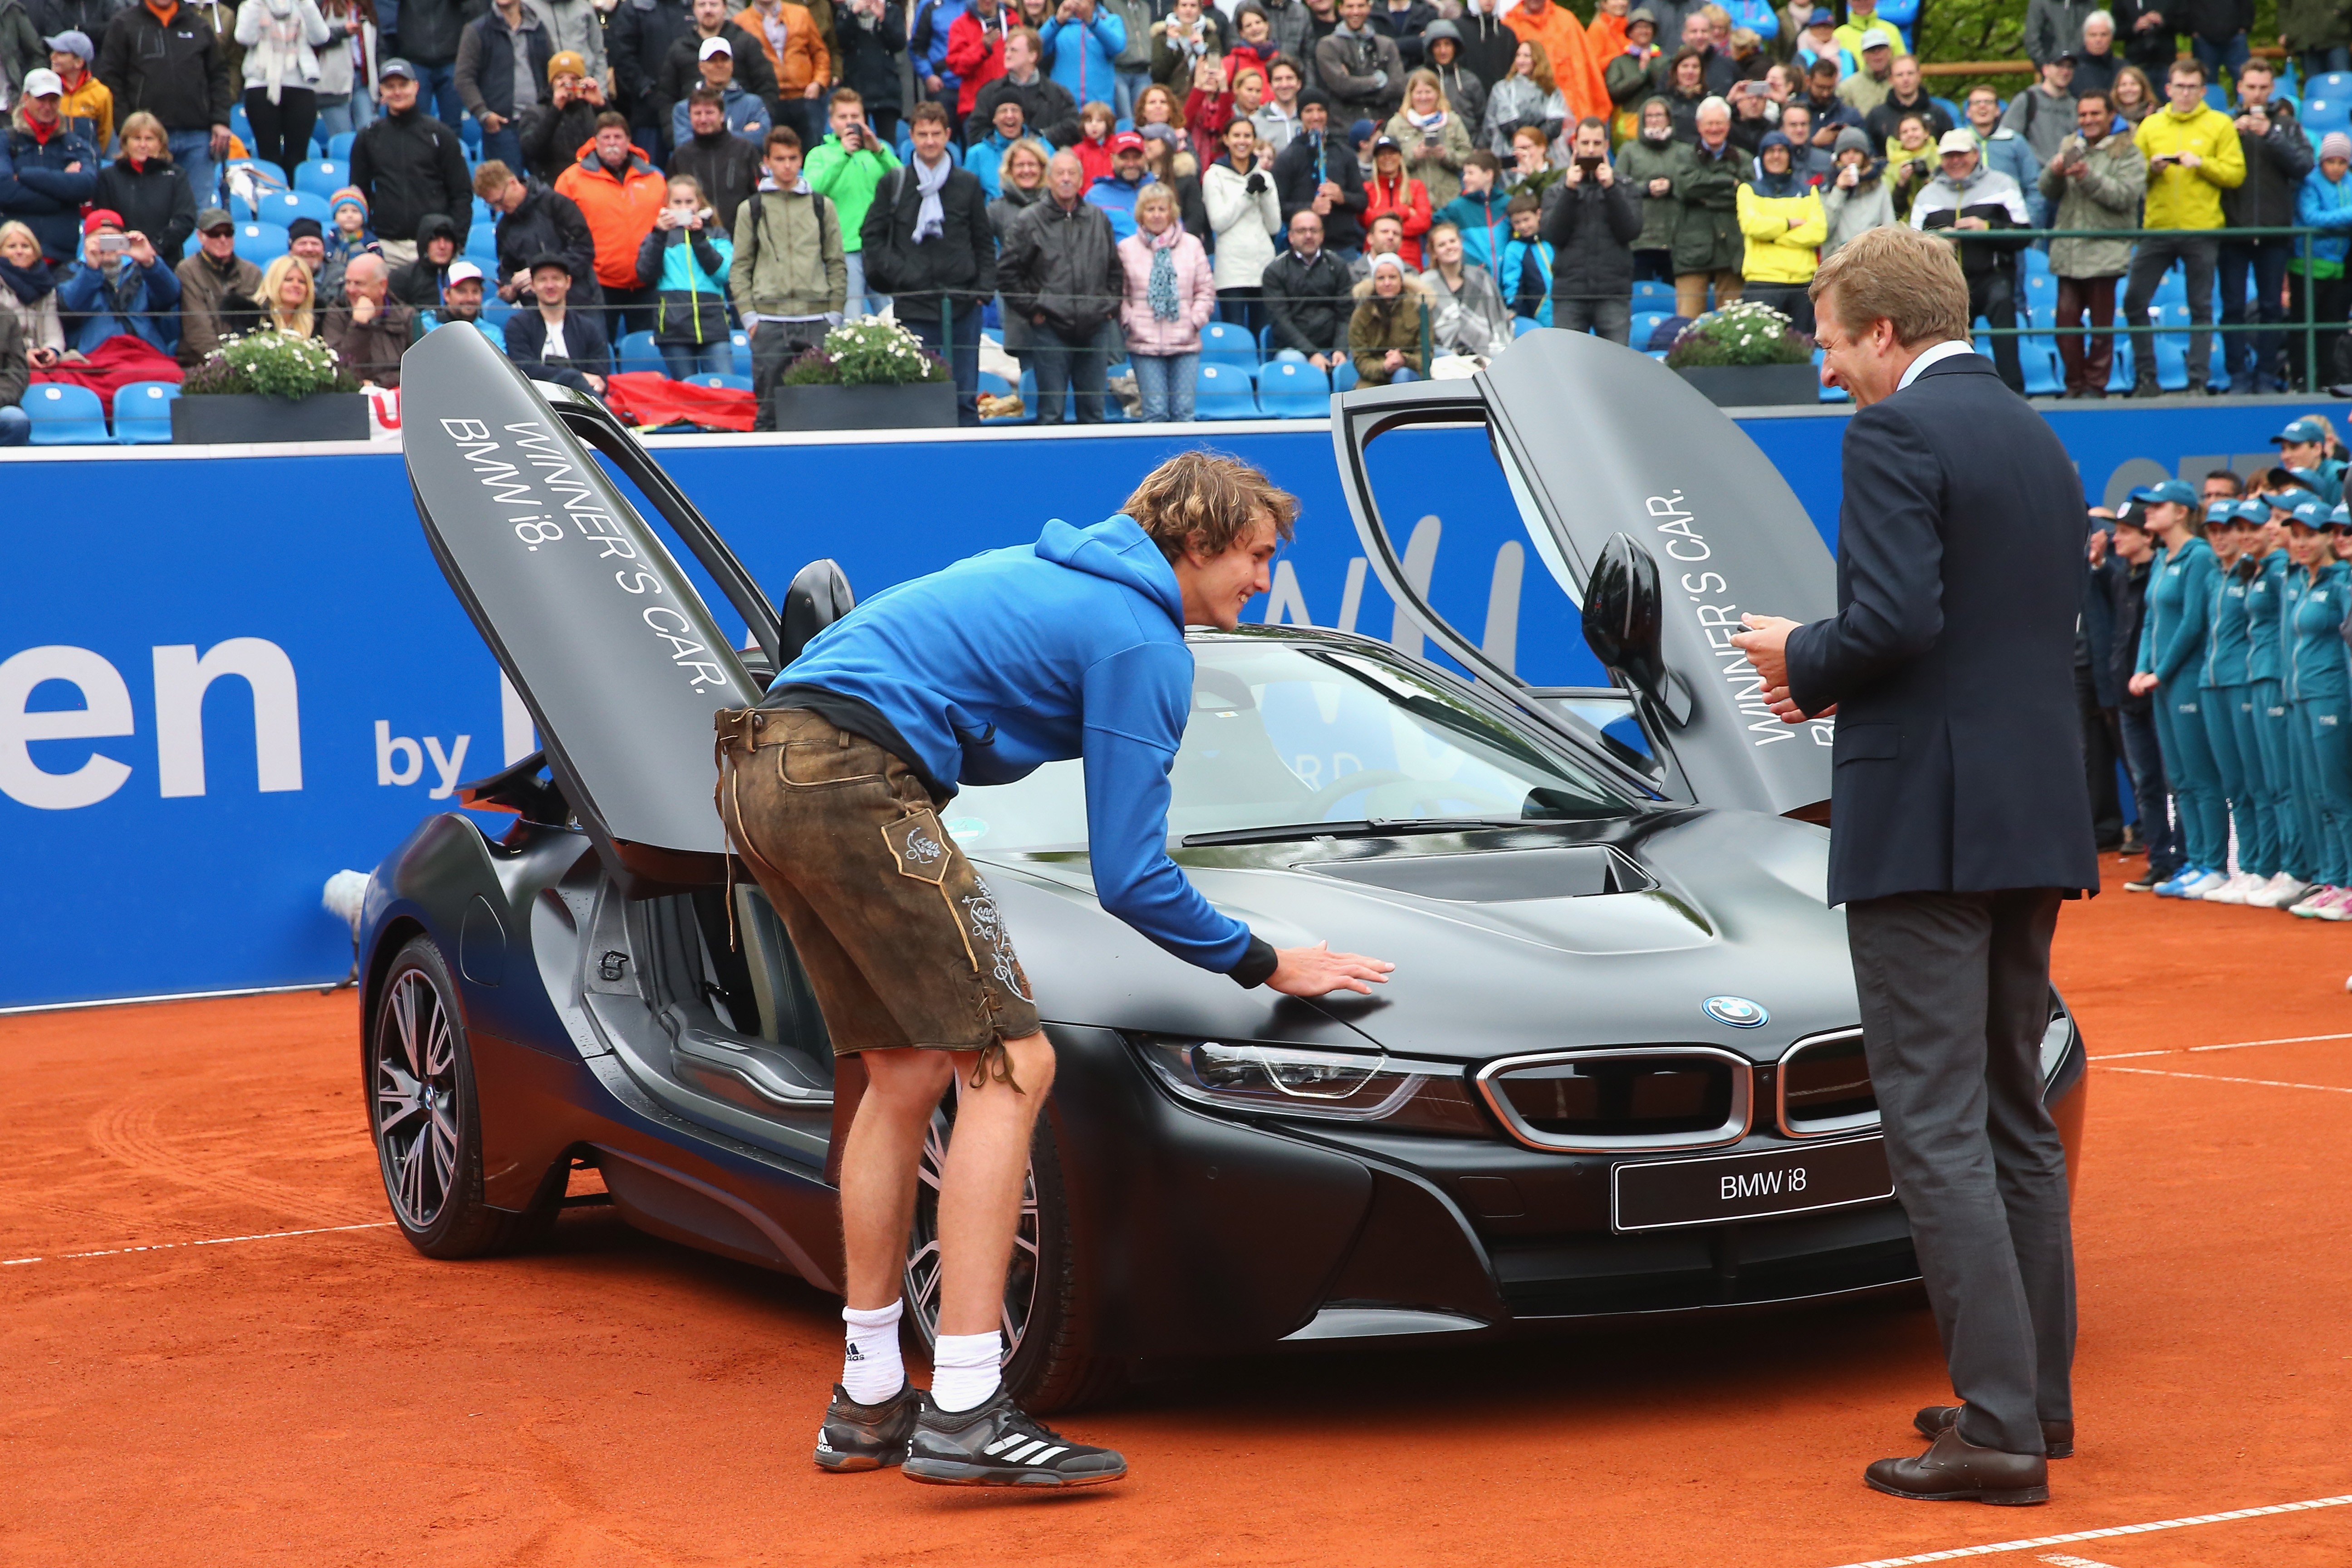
(2316,670)
(985,158)
(36,190)
(2228,647)
(2006,151)
(2263,600)
(928,22)
(1072,646)
(746,116)
(1078,55)
(1485,222)
(1516,256)
(2326,205)
(144,303)
(2180,606)
(1116,197)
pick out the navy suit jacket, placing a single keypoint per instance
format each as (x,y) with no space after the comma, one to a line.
(1959,764)
(584,334)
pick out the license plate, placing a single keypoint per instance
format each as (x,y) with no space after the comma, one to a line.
(1657,1194)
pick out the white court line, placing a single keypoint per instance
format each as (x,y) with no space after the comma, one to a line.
(2233,1046)
(1958,1552)
(214,1241)
(2062,1559)
(2217,1077)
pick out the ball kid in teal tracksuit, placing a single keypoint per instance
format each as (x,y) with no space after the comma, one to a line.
(2265,589)
(2172,649)
(2225,700)
(2318,689)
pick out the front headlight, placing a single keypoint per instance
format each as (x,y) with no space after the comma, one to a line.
(1322,1086)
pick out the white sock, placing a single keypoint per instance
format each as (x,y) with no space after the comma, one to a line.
(871,1371)
(965,1370)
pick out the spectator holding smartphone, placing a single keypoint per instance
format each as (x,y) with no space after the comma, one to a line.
(845,169)
(1592,229)
(2193,155)
(2096,179)
(122,287)
(1434,139)
(683,262)
(552,129)
(2278,159)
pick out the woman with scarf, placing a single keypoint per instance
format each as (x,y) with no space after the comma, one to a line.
(1650,165)
(29,293)
(1391,320)
(1782,218)
(1433,136)
(1465,93)
(1854,199)
(282,40)
(1528,96)
(2134,99)
(148,189)
(1170,294)
(1245,213)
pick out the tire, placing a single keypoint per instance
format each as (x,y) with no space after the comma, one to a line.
(1046,1323)
(425,1121)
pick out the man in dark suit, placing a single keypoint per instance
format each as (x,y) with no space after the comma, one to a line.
(1959,819)
(553,342)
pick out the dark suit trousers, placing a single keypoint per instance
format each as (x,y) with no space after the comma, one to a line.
(1955,991)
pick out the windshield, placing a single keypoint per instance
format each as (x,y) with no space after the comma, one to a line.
(1282,735)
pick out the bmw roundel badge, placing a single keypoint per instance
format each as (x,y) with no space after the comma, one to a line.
(1736,1011)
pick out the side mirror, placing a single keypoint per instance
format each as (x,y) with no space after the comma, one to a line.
(820,595)
(1622,617)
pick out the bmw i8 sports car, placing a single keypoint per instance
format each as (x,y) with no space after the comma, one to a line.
(1618,1070)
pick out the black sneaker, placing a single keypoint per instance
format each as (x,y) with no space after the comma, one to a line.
(997,1445)
(867,1437)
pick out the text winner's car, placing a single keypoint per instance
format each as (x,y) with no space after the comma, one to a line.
(1618,1070)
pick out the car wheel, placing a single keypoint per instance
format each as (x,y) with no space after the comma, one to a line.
(427,1123)
(1044,1323)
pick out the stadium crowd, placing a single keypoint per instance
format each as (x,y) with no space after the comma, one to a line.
(1373,190)
(2211,661)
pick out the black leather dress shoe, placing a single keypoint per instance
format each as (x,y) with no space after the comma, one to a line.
(2057,1436)
(1954,1470)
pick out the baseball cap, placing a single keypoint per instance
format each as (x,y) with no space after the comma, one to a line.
(1957,139)
(101,217)
(1386,144)
(461,271)
(566,63)
(1361,131)
(2311,513)
(43,83)
(1877,39)
(1128,141)
(717,47)
(2286,500)
(2297,432)
(2220,513)
(2177,491)
(2062,57)
(2341,517)
(72,41)
(395,67)
(211,218)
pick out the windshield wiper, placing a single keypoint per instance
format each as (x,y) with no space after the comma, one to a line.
(1282,831)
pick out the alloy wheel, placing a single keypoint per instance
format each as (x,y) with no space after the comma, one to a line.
(416,1100)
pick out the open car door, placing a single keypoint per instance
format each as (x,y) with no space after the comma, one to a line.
(1564,442)
(615,652)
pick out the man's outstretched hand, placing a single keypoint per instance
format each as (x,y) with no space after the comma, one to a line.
(1318,971)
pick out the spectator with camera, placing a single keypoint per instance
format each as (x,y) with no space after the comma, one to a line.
(552,129)
(1317,172)
(214,282)
(1190,31)
(790,277)
(148,189)
(1082,41)
(47,169)
(121,285)
(845,169)
(369,330)
(2193,155)
(407,163)
(724,158)
(534,221)
(554,342)
(1591,228)
(1707,241)
(2278,159)
(682,263)
(928,246)
(2095,180)
(1854,198)
(620,193)
(1062,272)
(1307,292)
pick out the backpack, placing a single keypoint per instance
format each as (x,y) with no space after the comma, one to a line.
(823,205)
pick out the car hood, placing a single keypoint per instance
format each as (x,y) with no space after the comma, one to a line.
(1732,906)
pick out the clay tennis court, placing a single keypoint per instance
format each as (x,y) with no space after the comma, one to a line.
(182,1382)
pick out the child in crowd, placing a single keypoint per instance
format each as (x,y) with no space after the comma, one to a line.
(685,259)
(1095,124)
(1526,263)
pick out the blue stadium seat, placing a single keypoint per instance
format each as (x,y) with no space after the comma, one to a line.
(1293,389)
(284,207)
(322,177)
(143,413)
(64,416)
(261,243)
(1522,325)
(1266,349)
(721,383)
(1223,392)
(469,131)
(1651,294)
(483,217)
(1343,375)
(482,242)
(2038,358)
(1645,323)
(2037,262)
(2039,298)
(637,352)
(495,311)
(2171,351)
(2326,112)
(265,177)
(741,340)
(1222,343)
(2172,288)
(2119,379)
(339,146)
(2332,84)
(239,125)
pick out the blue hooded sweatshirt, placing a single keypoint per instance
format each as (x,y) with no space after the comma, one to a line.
(1072,646)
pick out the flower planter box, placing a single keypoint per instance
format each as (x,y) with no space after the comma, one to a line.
(218,418)
(920,405)
(1754,385)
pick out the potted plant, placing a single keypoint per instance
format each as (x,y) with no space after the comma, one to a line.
(866,375)
(1745,355)
(270,386)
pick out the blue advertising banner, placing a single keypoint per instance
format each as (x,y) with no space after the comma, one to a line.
(226,675)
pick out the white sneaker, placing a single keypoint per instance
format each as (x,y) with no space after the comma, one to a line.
(2236,889)
(2281,891)
(2203,885)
